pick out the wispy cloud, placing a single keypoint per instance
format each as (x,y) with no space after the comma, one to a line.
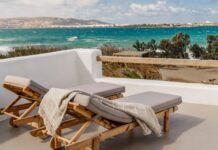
(160,7)
(213,11)
(72,3)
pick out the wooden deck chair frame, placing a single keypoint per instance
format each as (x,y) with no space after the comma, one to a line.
(86,118)
(34,99)
(20,113)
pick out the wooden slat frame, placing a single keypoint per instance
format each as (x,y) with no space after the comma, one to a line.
(94,142)
(13,110)
(159,61)
(73,143)
(80,132)
(24,92)
(65,124)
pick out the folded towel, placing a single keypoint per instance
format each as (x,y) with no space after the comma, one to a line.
(54,106)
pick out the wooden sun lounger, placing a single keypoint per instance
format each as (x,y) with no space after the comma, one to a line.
(32,92)
(85,117)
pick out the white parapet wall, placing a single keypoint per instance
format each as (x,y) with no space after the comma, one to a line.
(68,68)
(62,69)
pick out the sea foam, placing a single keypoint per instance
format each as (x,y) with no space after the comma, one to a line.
(6,40)
(5,49)
(71,39)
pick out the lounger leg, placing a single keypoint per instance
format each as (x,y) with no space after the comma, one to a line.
(86,148)
(1,113)
(96,144)
(55,144)
(40,122)
(15,113)
(21,119)
(166,126)
(130,133)
(11,121)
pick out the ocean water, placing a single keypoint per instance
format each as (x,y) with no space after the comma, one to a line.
(95,37)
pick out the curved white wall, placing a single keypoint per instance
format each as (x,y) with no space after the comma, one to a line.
(62,69)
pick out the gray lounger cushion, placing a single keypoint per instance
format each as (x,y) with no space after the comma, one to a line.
(102,89)
(158,101)
(25,83)
(98,88)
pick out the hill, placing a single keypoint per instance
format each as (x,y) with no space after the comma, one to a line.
(48,22)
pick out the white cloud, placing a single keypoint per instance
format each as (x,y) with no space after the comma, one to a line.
(177,9)
(213,11)
(41,2)
(159,7)
(148,7)
(81,9)
(47,3)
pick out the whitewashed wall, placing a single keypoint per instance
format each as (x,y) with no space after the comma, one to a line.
(63,69)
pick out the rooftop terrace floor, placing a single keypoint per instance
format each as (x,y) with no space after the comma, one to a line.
(194,126)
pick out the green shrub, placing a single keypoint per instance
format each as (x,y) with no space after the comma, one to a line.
(211,51)
(176,47)
(109,50)
(197,51)
(173,48)
(211,38)
(142,46)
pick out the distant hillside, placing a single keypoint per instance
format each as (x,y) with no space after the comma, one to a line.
(196,24)
(48,22)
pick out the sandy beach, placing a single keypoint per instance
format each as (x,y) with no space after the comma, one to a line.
(190,74)
(167,73)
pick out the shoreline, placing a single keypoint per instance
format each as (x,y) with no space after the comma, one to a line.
(86,27)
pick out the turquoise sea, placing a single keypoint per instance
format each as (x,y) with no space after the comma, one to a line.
(95,37)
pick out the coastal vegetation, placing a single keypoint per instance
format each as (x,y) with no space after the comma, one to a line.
(177,47)
(109,50)
(122,70)
(30,50)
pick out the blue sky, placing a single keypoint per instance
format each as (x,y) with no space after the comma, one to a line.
(115,11)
